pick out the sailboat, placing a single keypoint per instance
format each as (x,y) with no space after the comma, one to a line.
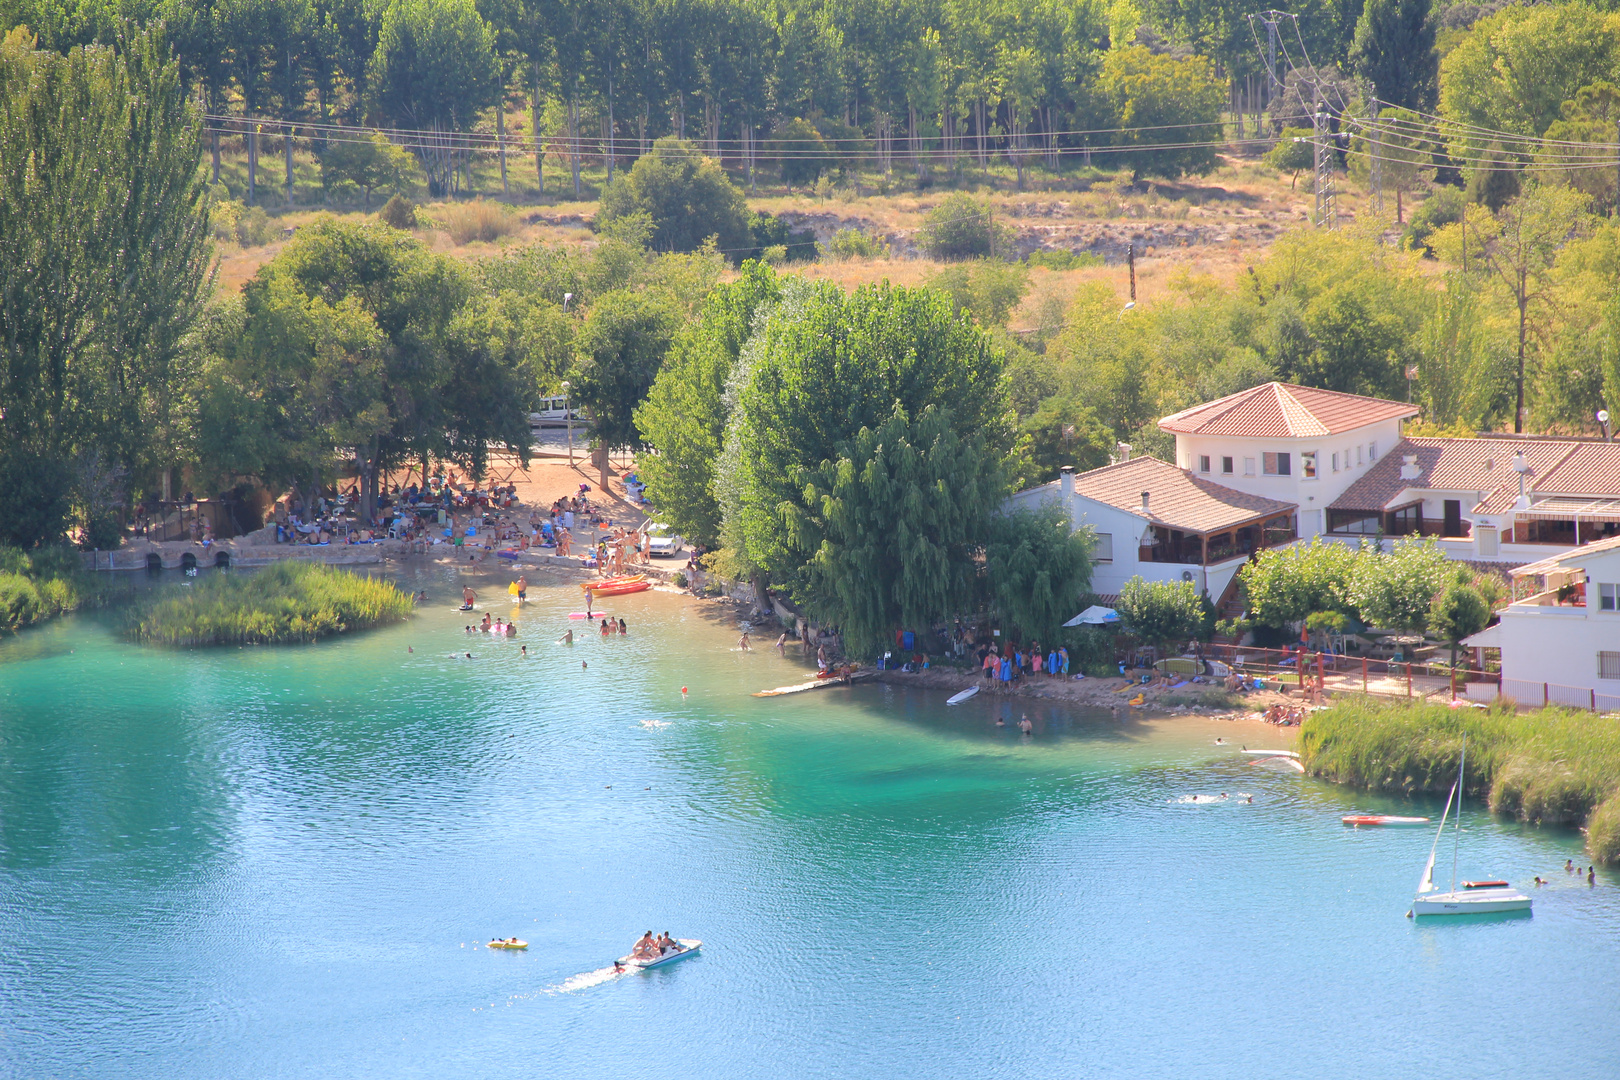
(1475,897)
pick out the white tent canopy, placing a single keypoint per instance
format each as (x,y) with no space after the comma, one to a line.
(1094,615)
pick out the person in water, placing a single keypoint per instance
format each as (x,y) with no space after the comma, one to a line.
(568,638)
(742,642)
(1025,726)
(605,630)
(468,598)
(523,588)
(623,629)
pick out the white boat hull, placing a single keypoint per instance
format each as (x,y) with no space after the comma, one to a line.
(957,699)
(1470,902)
(688,948)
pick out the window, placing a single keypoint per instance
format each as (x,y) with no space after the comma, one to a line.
(1102,547)
(1609,665)
(1277,464)
(1307,465)
(1226,466)
(1335,461)
(1248,466)
(1406,521)
(1203,463)
(1609,597)
(1358,455)
(1363,522)
(1372,451)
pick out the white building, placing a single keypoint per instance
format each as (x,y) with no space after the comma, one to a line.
(1563,650)
(1157,521)
(1294,444)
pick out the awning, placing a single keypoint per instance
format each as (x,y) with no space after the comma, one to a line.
(1094,616)
(1488,638)
(1567,508)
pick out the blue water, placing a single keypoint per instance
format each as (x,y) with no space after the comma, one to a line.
(284,862)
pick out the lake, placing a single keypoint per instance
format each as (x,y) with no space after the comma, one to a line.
(284,862)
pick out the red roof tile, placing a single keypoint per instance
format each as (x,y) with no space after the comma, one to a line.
(1589,469)
(1483,465)
(1283,410)
(1176,499)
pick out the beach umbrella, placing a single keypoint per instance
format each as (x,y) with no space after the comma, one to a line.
(1094,615)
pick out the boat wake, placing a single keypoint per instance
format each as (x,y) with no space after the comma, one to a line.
(654,725)
(586,980)
(1211,800)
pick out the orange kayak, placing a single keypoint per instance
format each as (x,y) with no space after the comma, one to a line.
(624,588)
(608,583)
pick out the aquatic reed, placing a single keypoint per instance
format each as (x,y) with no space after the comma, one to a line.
(282,603)
(36,585)
(1548,766)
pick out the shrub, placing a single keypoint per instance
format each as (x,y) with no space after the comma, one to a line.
(286,602)
(798,245)
(47,581)
(1063,260)
(961,227)
(398,212)
(20,602)
(254,227)
(687,196)
(1551,766)
(678,579)
(1444,207)
(855,244)
(988,289)
(478,220)
(801,151)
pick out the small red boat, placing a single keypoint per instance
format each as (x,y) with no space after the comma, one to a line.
(623,588)
(1382,819)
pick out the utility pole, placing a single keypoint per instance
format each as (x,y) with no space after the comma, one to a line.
(1325,209)
(1130,259)
(1373,142)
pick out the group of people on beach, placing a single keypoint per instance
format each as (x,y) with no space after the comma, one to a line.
(1010,663)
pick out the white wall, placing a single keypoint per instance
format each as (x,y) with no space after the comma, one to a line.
(1125,529)
(1559,645)
(1311,496)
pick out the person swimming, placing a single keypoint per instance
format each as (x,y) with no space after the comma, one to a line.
(568,638)
(623,629)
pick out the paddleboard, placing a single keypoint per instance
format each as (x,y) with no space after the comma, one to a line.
(592,615)
(957,699)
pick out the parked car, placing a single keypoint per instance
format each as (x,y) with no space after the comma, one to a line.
(662,542)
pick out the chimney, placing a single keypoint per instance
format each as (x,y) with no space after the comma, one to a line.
(1409,467)
(1066,481)
(1145,512)
(1124,451)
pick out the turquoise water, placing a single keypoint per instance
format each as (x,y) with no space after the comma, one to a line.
(283,862)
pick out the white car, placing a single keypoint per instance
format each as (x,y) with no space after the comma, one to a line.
(662,542)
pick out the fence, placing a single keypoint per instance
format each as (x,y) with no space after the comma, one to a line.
(1414,680)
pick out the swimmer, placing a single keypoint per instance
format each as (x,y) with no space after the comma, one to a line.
(1025,726)
(409,649)
(584,666)
(1000,722)
(1569,866)
(1248,798)
(1539,882)
(781,643)
(469,656)
(524,651)
(605,630)
(742,642)
(1219,741)
(623,629)
(523,588)
(468,598)
(568,638)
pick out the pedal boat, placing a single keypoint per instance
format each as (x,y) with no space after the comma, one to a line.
(500,944)
(647,963)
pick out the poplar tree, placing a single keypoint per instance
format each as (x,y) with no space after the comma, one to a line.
(1394,50)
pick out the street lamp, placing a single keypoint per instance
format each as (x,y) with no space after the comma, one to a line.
(568,415)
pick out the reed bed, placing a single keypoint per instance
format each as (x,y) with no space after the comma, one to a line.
(478,220)
(1548,766)
(39,584)
(283,603)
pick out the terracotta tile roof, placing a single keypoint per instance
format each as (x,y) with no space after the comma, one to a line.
(1176,499)
(1283,410)
(1483,465)
(1589,469)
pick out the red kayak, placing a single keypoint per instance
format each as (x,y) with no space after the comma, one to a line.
(1382,819)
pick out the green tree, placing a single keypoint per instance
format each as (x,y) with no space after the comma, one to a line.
(1283,586)
(104,256)
(803,154)
(434,71)
(1394,50)
(1064,431)
(1168,110)
(891,525)
(621,349)
(685,414)
(1460,610)
(1161,613)
(1295,151)
(988,289)
(369,164)
(1589,121)
(686,197)
(961,227)
(1038,567)
(1395,590)
(821,369)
